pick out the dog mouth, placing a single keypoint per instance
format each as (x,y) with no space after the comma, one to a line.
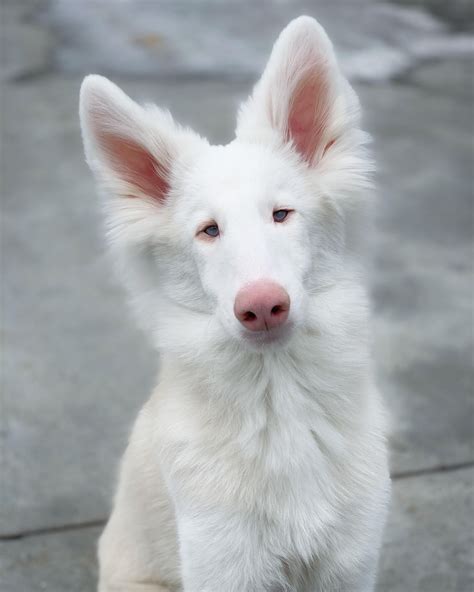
(273,337)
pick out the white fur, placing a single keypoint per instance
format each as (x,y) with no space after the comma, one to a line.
(255,466)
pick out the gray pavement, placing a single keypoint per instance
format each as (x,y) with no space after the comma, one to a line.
(74,368)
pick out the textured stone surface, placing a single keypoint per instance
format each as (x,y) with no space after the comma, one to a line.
(423,273)
(207,38)
(429,536)
(27,46)
(61,562)
(75,370)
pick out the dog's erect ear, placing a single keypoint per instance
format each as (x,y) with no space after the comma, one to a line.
(301,95)
(130,151)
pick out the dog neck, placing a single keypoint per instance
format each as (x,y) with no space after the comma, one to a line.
(305,378)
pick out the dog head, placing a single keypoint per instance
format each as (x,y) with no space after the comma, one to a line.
(236,243)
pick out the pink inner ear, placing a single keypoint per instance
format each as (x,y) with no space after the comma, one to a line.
(133,163)
(309,114)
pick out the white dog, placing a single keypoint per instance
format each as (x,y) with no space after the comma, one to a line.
(259,463)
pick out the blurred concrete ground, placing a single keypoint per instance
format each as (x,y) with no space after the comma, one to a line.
(74,368)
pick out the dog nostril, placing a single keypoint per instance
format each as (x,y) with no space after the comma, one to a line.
(249,316)
(262,305)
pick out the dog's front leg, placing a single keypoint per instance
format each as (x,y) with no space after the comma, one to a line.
(224,552)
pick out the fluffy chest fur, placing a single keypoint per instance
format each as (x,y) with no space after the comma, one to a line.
(277,443)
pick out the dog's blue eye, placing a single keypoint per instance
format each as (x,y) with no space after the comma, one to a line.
(280,215)
(212,230)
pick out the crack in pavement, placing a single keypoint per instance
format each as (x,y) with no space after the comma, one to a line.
(14,536)
(396,476)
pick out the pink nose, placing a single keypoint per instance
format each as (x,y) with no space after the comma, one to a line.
(262,305)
